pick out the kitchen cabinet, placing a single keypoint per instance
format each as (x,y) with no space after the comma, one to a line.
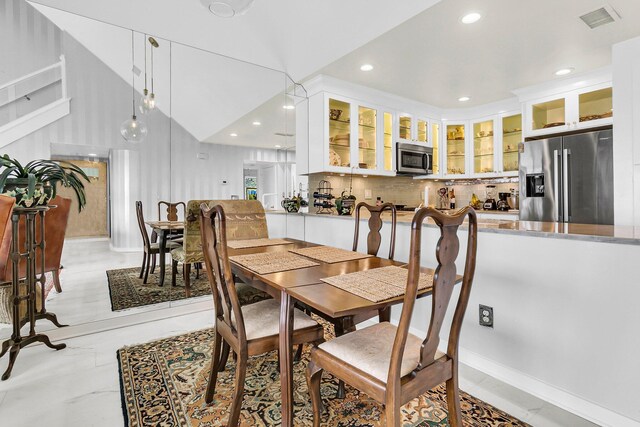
(454,159)
(511,138)
(435,141)
(484,148)
(348,136)
(413,130)
(573,110)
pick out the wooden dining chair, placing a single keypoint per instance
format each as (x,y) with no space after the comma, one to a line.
(171,210)
(388,363)
(150,249)
(249,330)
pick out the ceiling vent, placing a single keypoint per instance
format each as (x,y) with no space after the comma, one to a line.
(599,17)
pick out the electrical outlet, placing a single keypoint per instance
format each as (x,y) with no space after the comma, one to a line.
(486,316)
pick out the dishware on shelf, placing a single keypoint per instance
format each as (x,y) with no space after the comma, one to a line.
(334,158)
(335,113)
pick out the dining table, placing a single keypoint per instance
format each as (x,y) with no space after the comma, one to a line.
(305,285)
(163,229)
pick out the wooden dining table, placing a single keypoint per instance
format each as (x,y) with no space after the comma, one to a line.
(305,285)
(163,229)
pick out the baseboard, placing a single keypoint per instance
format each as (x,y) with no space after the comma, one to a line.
(547,392)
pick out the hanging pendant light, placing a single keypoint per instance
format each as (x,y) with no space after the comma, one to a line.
(148,101)
(133,130)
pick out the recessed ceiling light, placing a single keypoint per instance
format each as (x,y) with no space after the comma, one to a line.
(256,123)
(464,99)
(278,146)
(233,134)
(366,67)
(288,107)
(564,71)
(470,18)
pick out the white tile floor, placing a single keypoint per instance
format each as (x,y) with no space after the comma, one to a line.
(78,386)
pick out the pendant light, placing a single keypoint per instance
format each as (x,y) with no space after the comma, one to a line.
(133,130)
(148,101)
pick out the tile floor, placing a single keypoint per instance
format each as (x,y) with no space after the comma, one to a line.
(78,386)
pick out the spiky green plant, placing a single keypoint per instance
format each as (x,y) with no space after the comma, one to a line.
(44,172)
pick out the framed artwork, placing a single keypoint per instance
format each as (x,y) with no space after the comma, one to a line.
(251,181)
(251,193)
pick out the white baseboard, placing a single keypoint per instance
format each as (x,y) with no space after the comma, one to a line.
(549,393)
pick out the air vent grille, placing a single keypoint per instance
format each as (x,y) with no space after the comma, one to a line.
(599,17)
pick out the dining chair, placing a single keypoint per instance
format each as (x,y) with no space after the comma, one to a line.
(171,211)
(150,249)
(388,363)
(250,329)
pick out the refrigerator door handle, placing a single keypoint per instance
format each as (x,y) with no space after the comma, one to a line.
(565,184)
(556,184)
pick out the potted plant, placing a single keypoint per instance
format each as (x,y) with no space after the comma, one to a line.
(35,183)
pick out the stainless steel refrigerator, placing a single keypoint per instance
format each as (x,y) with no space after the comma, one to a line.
(568,178)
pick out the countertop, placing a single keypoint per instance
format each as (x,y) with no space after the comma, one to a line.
(588,232)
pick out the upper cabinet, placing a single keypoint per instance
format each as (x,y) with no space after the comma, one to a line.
(484,148)
(511,138)
(405,128)
(347,136)
(455,151)
(574,110)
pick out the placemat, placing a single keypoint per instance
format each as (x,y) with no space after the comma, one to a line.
(272,262)
(256,243)
(329,254)
(378,284)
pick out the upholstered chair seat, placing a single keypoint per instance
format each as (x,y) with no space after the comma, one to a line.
(170,244)
(369,350)
(262,319)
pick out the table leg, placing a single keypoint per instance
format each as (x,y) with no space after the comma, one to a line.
(162,254)
(286,363)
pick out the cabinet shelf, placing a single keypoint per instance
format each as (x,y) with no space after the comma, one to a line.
(515,132)
(483,137)
(510,152)
(483,155)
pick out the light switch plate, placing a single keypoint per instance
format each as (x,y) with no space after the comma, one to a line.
(367,194)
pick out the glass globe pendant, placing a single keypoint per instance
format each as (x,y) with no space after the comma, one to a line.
(133,130)
(147,102)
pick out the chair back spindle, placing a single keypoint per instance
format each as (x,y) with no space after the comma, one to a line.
(214,245)
(374,238)
(444,280)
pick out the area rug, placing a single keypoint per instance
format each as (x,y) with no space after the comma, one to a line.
(127,290)
(164,382)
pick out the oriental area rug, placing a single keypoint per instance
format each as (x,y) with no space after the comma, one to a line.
(164,382)
(127,290)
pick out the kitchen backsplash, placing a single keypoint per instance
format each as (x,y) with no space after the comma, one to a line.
(402,190)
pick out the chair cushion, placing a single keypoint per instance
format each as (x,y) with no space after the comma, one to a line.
(170,245)
(248,294)
(179,255)
(369,350)
(262,319)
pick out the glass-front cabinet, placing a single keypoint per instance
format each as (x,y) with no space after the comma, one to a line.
(455,154)
(404,127)
(548,114)
(595,105)
(339,116)
(435,139)
(388,141)
(423,130)
(484,147)
(511,138)
(367,137)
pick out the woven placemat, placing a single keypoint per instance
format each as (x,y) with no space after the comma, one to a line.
(256,243)
(272,262)
(378,284)
(329,254)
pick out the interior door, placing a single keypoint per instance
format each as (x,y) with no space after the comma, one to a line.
(589,176)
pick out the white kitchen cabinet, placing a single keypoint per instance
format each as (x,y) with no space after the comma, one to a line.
(510,137)
(484,153)
(347,135)
(578,109)
(413,129)
(455,158)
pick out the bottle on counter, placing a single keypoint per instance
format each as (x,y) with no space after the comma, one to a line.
(452,199)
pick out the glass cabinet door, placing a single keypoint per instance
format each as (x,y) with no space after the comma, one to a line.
(404,128)
(435,138)
(596,105)
(388,141)
(483,147)
(339,133)
(422,130)
(455,150)
(511,137)
(367,138)
(548,114)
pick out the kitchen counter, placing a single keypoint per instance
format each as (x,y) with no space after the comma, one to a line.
(587,232)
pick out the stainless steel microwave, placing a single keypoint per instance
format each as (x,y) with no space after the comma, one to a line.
(414,159)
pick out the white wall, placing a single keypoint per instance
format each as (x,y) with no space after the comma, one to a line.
(565,325)
(626,152)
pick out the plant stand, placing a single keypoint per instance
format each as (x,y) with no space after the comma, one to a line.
(17,341)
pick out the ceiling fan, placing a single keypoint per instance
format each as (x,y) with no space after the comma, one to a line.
(227,8)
